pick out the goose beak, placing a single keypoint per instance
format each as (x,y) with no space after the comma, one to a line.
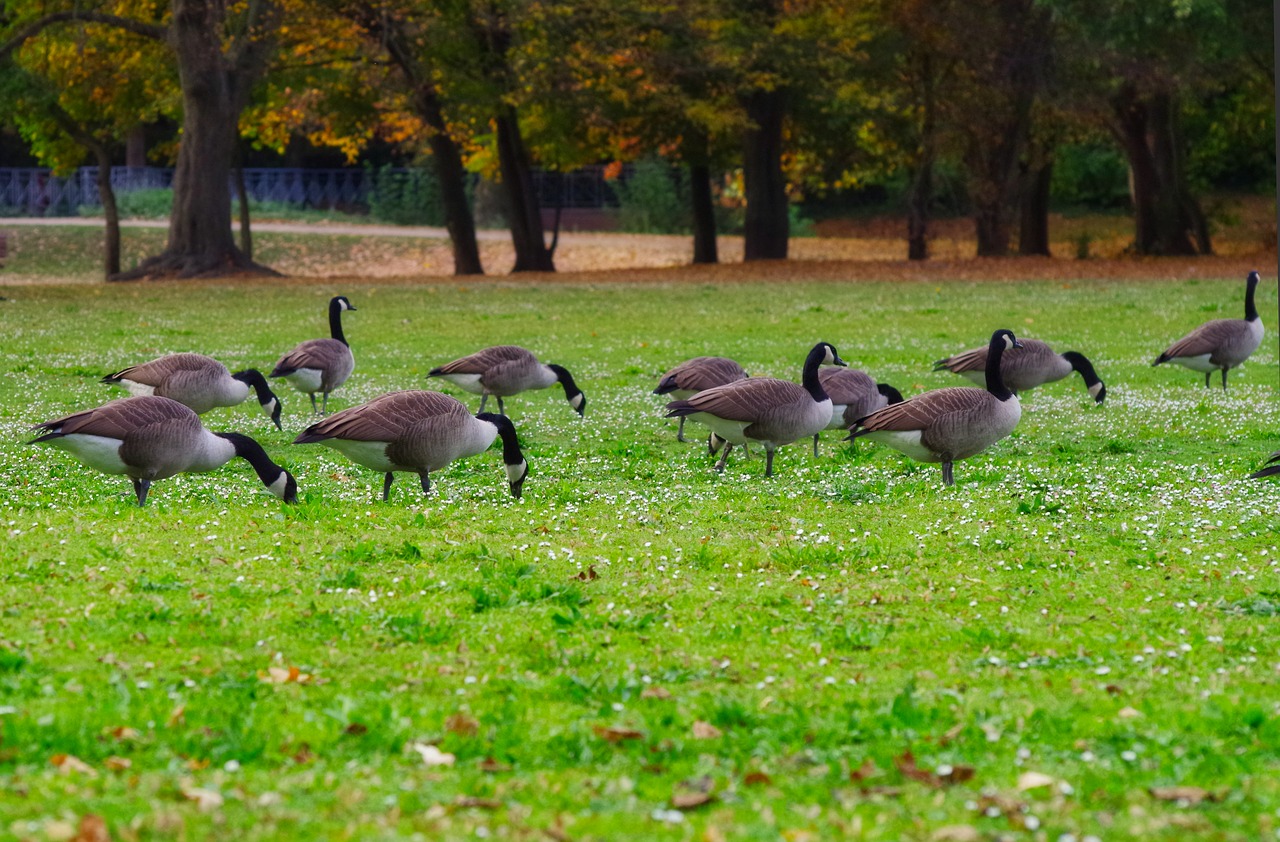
(1016,343)
(839,362)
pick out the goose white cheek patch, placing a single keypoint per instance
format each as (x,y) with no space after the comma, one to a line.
(576,401)
(1095,389)
(278,487)
(515,473)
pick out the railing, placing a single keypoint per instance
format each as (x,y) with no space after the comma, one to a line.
(32,191)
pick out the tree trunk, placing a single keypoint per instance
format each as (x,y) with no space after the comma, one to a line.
(920,198)
(216,82)
(525,216)
(1166,216)
(452,177)
(110,214)
(135,148)
(1033,209)
(704,214)
(766,231)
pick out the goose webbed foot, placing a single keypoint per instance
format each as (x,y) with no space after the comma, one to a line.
(724,457)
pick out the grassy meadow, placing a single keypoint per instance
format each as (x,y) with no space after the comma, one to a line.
(1077,641)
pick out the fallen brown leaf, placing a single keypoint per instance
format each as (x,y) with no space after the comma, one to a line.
(463,724)
(117,764)
(477,802)
(653,692)
(1034,780)
(690,800)
(69,763)
(206,799)
(588,575)
(92,828)
(957,833)
(706,731)
(491,765)
(1183,794)
(866,770)
(616,734)
(906,764)
(756,778)
(355,729)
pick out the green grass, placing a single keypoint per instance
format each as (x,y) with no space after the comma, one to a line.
(1096,600)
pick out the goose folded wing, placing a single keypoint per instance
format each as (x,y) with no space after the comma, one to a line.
(971,360)
(746,400)
(921,411)
(314,353)
(1205,339)
(156,372)
(482,361)
(709,373)
(117,419)
(383,419)
(846,386)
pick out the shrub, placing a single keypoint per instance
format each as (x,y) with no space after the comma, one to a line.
(1090,175)
(654,200)
(405,197)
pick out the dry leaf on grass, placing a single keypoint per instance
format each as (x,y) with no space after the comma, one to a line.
(491,765)
(706,731)
(432,756)
(946,775)
(957,833)
(462,724)
(69,763)
(1187,795)
(206,799)
(652,692)
(477,802)
(588,575)
(756,778)
(117,764)
(1034,780)
(280,675)
(616,734)
(693,793)
(92,829)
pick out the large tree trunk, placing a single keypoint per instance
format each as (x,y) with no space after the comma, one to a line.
(704,214)
(1167,217)
(452,177)
(216,83)
(1033,208)
(524,213)
(920,197)
(766,231)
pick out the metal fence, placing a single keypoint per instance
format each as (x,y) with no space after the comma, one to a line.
(31,191)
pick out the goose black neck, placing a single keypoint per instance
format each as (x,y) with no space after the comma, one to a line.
(809,378)
(252,452)
(1250,309)
(335,321)
(566,379)
(253,378)
(1081,364)
(891,394)
(511,454)
(995,380)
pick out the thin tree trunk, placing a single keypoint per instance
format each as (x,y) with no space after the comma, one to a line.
(704,214)
(527,233)
(110,213)
(918,202)
(1033,210)
(242,194)
(766,231)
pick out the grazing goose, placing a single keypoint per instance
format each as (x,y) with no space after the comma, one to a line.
(949,424)
(853,395)
(506,370)
(417,431)
(149,438)
(1273,467)
(197,382)
(763,409)
(1024,368)
(696,375)
(1221,344)
(320,365)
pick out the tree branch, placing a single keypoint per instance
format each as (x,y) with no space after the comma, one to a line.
(31,30)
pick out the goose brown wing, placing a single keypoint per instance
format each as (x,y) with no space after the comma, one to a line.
(314,353)
(705,373)
(118,418)
(919,412)
(1205,339)
(156,372)
(385,418)
(972,360)
(846,385)
(746,400)
(482,361)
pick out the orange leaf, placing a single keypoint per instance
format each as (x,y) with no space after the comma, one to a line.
(615,734)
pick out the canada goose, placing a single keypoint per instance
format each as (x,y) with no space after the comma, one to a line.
(853,395)
(1032,364)
(1221,344)
(696,375)
(1273,467)
(506,370)
(949,424)
(763,409)
(417,431)
(197,382)
(149,438)
(320,365)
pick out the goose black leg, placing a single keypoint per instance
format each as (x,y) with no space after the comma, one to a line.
(724,456)
(314,409)
(947,477)
(426,481)
(1207,375)
(483,400)
(680,431)
(502,410)
(815,445)
(1224,380)
(768,461)
(386,486)
(140,488)
(324,404)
